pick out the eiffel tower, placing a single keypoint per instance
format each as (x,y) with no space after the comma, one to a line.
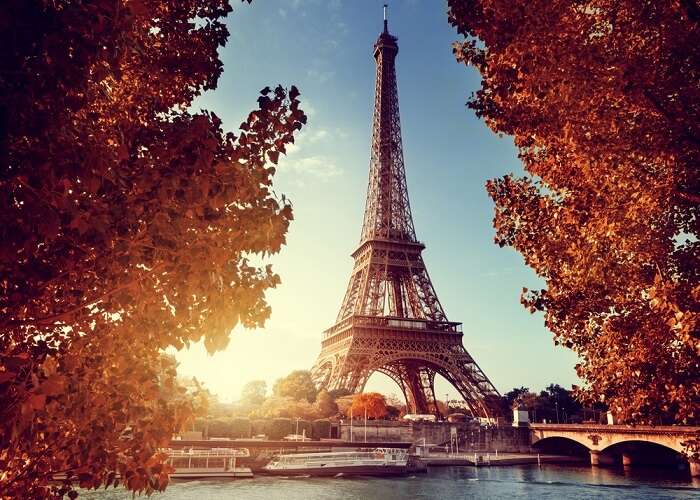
(391,320)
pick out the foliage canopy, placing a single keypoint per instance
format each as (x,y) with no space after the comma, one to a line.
(603,101)
(298,385)
(371,402)
(253,393)
(127,225)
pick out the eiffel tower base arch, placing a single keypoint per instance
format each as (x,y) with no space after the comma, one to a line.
(410,358)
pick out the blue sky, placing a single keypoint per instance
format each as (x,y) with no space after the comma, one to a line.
(325,48)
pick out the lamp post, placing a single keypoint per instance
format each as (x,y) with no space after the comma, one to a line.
(556,407)
(447,405)
(365,423)
(351,423)
(296,434)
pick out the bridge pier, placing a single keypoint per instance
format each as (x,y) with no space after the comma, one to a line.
(628,459)
(599,458)
(694,468)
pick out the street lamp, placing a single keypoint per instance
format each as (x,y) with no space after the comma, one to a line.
(365,423)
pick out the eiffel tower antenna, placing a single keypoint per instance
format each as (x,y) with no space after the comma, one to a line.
(391,320)
(386,26)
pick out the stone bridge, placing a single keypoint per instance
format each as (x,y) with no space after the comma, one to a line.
(610,444)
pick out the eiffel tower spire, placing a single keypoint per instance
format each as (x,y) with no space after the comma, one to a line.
(404,289)
(391,320)
(388,211)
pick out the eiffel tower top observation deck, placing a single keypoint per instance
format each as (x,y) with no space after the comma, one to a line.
(391,320)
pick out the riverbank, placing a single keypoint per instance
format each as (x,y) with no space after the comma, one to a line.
(499,459)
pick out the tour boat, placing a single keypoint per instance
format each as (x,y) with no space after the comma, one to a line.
(374,462)
(211,463)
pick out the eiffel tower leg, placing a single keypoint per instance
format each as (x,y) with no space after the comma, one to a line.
(418,397)
(473,399)
(475,388)
(428,377)
(417,382)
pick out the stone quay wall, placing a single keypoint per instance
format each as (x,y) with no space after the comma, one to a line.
(471,437)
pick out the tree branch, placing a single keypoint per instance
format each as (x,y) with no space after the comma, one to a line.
(53,319)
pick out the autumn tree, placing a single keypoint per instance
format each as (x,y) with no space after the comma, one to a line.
(372,403)
(515,395)
(253,393)
(344,403)
(127,224)
(603,102)
(286,407)
(297,385)
(395,406)
(325,404)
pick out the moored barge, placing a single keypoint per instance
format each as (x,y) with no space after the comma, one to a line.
(374,462)
(213,463)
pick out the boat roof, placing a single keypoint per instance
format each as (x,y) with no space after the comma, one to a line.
(342,453)
(214,452)
(259,443)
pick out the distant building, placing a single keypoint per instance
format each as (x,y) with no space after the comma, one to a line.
(521,417)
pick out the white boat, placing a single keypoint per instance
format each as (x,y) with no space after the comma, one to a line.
(212,463)
(374,462)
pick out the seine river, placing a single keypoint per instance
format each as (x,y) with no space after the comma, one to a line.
(513,482)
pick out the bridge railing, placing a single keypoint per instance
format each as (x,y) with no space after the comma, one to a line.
(683,429)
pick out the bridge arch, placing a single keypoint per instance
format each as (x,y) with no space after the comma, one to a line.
(651,440)
(642,452)
(561,445)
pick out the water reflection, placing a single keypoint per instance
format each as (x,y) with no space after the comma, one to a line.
(516,482)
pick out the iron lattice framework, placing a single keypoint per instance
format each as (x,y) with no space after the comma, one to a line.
(391,320)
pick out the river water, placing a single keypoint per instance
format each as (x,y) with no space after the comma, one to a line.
(512,482)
